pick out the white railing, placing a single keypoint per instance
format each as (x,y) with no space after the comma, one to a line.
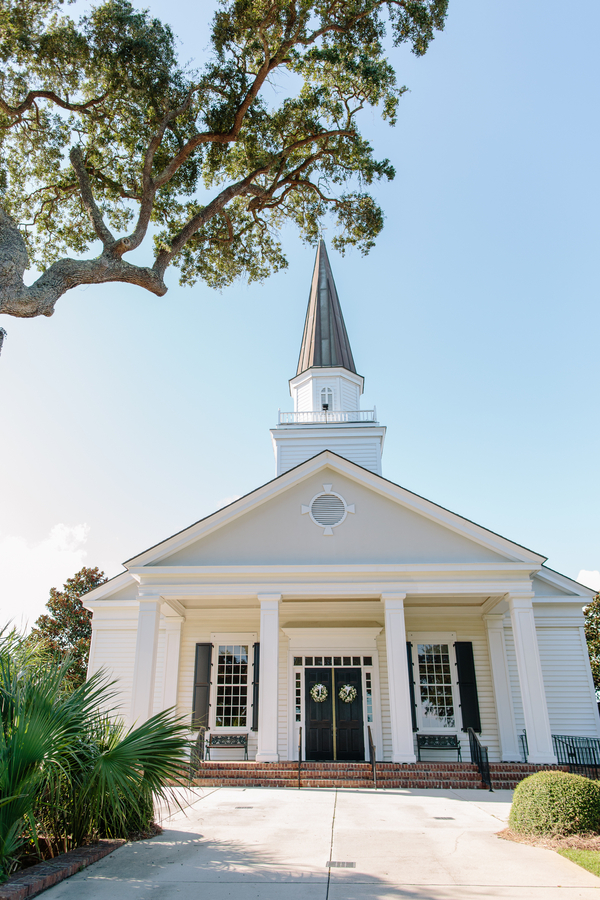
(327,416)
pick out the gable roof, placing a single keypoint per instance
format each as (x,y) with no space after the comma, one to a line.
(327,458)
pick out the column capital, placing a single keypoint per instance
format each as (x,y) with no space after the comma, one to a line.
(393,600)
(494,619)
(147,592)
(520,601)
(149,602)
(269,601)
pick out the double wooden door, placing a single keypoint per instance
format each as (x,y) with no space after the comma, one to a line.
(334,724)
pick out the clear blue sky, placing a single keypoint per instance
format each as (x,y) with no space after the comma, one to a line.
(475,322)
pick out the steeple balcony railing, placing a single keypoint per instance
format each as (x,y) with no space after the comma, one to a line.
(327,416)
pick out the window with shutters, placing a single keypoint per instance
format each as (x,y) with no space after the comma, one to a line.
(435,689)
(435,685)
(232,686)
(233,689)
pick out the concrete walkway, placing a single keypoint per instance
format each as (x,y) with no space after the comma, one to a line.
(276,844)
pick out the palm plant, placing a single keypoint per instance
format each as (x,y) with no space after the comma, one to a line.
(67,770)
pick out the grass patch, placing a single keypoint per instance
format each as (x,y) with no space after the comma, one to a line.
(587,859)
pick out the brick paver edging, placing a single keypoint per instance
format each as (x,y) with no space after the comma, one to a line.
(35,879)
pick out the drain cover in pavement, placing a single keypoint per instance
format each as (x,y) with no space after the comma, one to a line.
(340,865)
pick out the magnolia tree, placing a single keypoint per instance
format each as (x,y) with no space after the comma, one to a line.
(67,626)
(106,137)
(592,634)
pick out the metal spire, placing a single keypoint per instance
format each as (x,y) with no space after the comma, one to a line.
(325,341)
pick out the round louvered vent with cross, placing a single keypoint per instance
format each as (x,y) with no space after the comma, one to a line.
(328,509)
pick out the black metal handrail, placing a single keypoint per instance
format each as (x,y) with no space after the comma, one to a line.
(580,754)
(524,746)
(372,758)
(479,756)
(299,756)
(197,752)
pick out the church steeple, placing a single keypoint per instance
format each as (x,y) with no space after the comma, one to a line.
(325,339)
(326,388)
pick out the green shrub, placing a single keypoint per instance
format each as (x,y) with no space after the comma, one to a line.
(554,803)
(69,772)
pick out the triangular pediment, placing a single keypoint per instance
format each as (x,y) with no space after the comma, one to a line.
(385,524)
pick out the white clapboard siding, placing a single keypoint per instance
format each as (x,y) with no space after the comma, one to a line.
(114,651)
(160,672)
(349,395)
(571,707)
(304,397)
(513,672)
(282,704)
(386,727)
(364,453)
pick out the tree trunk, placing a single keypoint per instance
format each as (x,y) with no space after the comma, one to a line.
(39,299)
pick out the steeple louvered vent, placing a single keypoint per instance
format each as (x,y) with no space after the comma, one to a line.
(327,509)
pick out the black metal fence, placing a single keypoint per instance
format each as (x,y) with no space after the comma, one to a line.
(580,754)
(479,756)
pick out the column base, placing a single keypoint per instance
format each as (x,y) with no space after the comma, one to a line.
(404,758)
(542,759)
(267,757)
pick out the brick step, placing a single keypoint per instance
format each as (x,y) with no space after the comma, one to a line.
(445,783)
(524,768)
(430,784)
(406,784)
(423,775)
(342,771)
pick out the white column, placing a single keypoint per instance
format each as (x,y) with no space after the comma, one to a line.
(533,694)
(505,715)
(268,686)
(144,667)
(171,673)
(400,711)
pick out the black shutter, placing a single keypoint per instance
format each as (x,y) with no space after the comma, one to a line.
(201,686)
(467,686)
(255,687)
(411,686)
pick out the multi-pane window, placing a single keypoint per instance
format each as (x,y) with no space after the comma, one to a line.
(232,686)
(369,696)
(298,689)
(435,684)
(329,661)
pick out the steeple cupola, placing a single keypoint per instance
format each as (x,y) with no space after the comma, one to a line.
(326,389)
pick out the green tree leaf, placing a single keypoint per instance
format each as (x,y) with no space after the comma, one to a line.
(108,141)
(67,627)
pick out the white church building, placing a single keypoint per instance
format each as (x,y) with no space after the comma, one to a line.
(333,600)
